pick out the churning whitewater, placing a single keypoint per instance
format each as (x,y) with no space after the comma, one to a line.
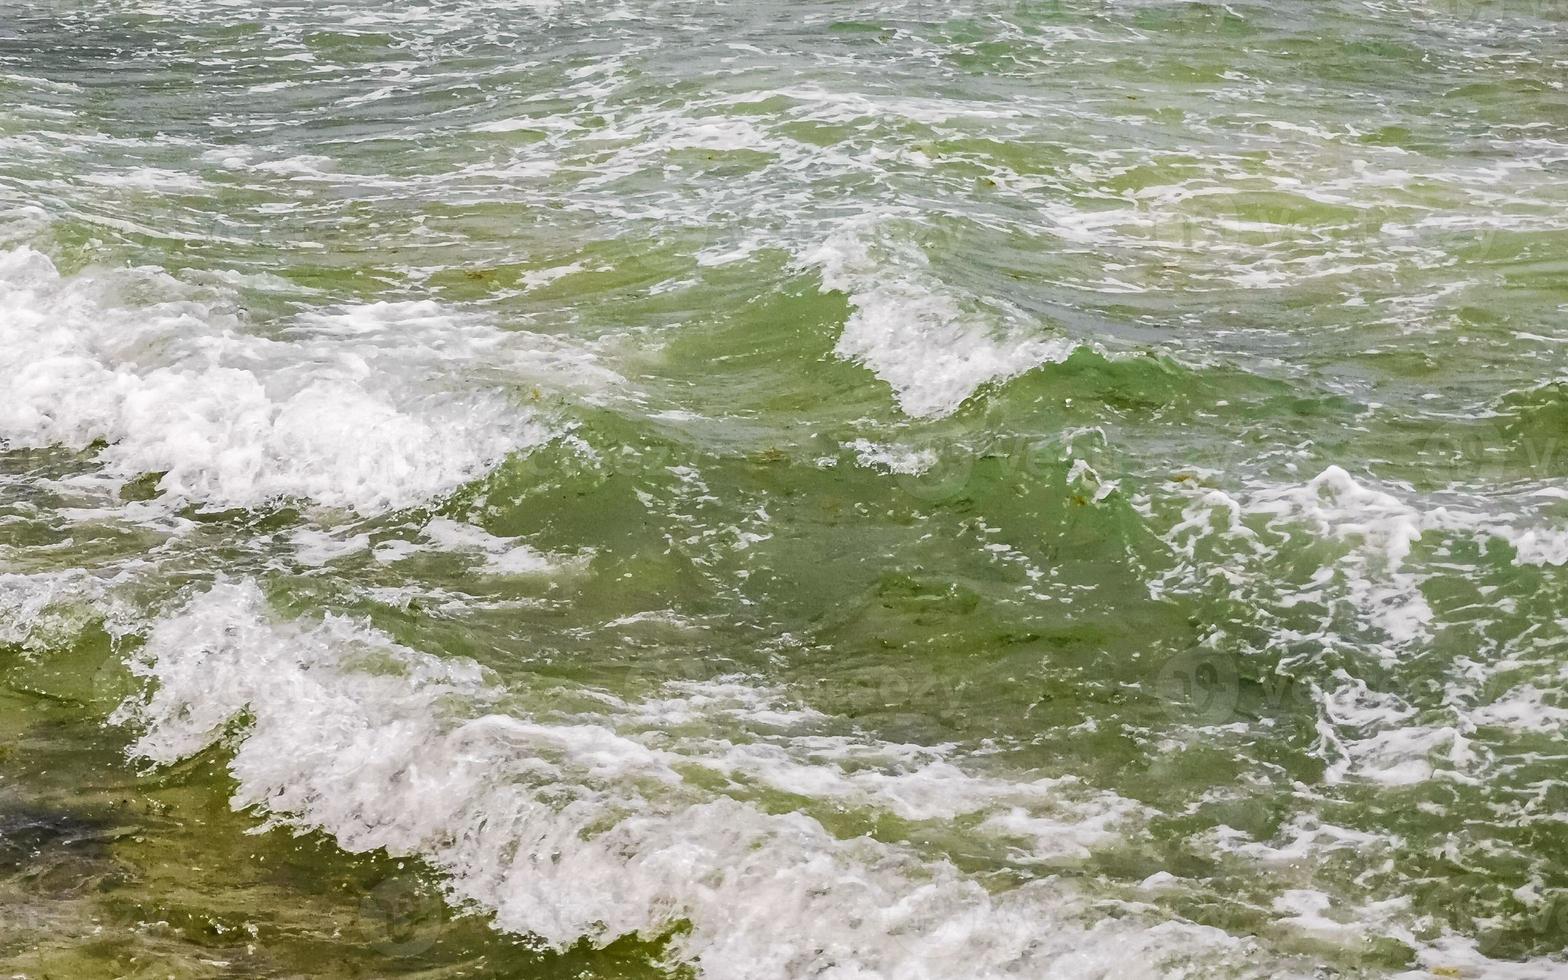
(756,490)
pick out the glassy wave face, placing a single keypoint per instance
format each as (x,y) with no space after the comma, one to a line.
(755,490)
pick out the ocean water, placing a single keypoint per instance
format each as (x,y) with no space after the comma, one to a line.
(766,490)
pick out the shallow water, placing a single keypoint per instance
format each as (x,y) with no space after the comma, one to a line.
(753,490)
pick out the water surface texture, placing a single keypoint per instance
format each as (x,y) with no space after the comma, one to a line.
(769,490)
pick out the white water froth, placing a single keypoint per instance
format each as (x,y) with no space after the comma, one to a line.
(902,460)
(573,831)
(931,349)
(1383,529)
(1369,734)
(42,611)
(364,407)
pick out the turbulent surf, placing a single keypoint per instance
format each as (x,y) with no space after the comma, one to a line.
(751,490)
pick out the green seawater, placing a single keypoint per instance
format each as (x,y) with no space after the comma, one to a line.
(761,489)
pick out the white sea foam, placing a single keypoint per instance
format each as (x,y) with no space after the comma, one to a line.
(1382,529)
(1461,956)
(903,460)
(1524,709)
(572,830)
(1304,838)
(754,736)
(314,547)
(365,407)
(931,348)
(501,555)
(1365,733)
(42,610)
